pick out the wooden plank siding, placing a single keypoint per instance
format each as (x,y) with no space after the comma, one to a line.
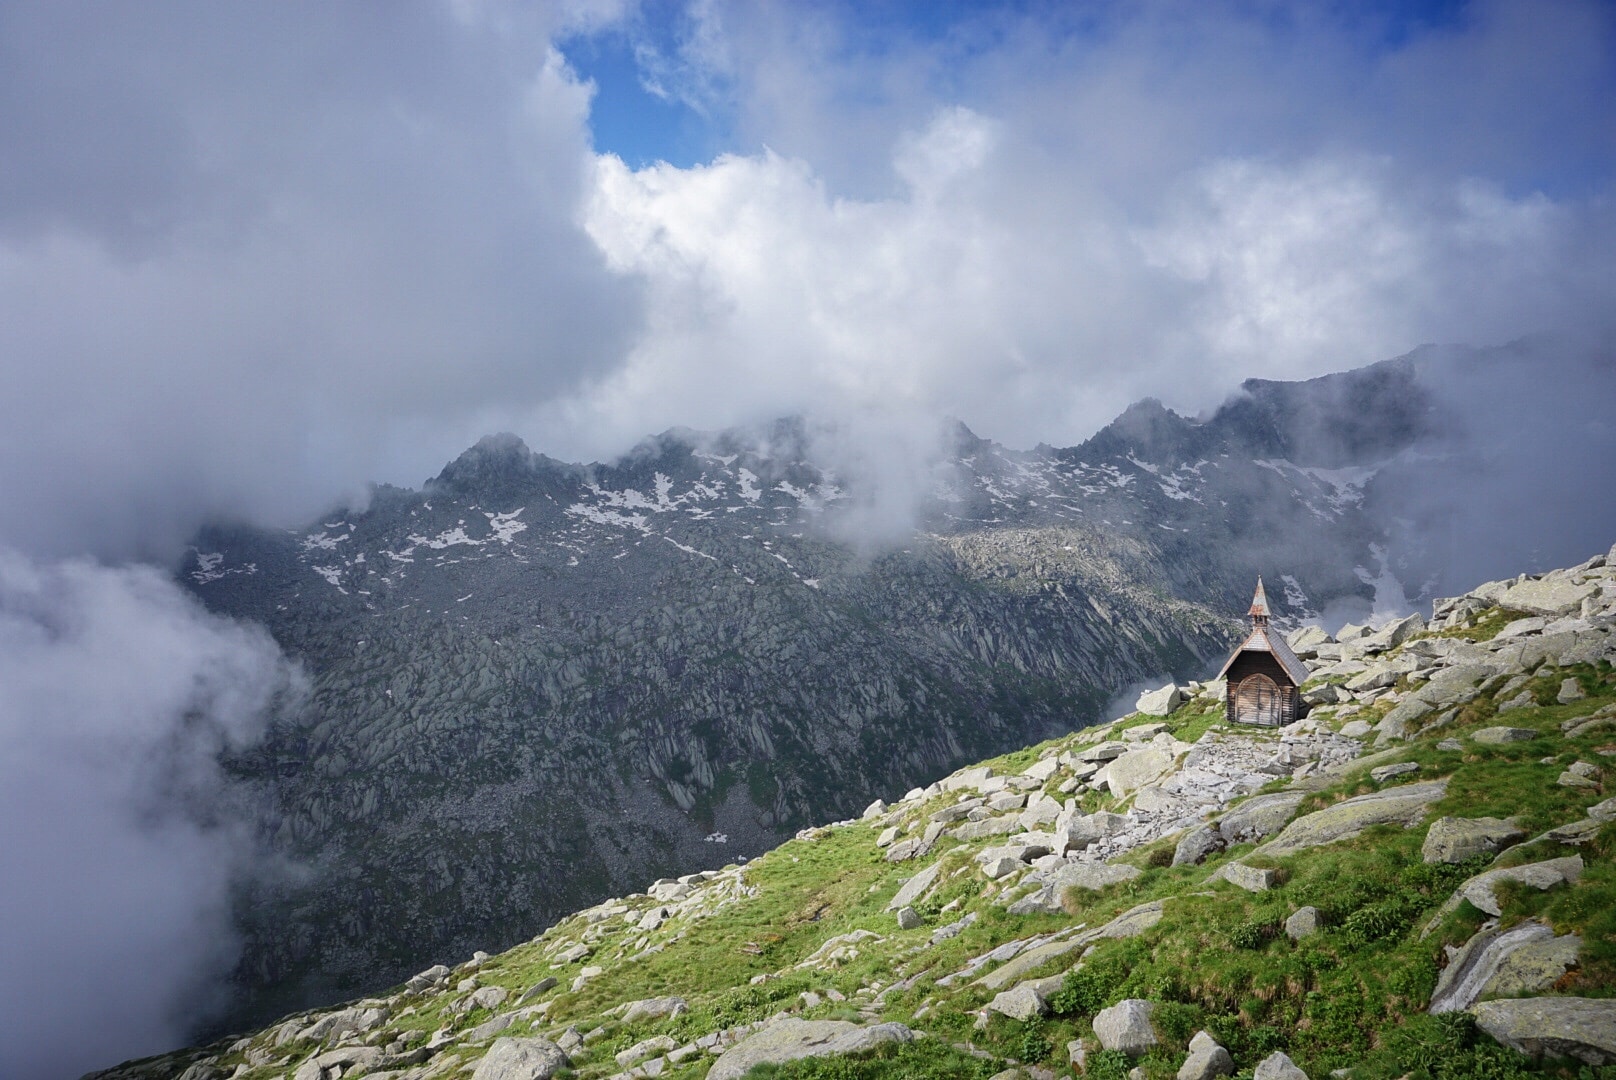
(1244,673)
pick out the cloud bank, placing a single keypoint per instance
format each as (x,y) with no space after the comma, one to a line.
(251,261)
(121,834)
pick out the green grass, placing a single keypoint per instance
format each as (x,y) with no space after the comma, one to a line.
(1352,995)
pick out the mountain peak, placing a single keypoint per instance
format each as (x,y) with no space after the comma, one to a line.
(496,465)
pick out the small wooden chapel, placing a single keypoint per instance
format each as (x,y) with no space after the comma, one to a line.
(1264,674)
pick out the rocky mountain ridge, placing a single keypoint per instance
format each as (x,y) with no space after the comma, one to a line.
(1415,880)
(534,681)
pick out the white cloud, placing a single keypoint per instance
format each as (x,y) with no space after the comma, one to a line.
(120,834)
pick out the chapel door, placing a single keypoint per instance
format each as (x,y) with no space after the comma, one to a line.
(1258,701)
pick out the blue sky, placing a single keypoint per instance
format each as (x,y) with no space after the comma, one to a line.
(629,117)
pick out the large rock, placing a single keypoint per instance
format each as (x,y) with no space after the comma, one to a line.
(791,1039)
(1206,1060)
(1525,959)
(346,1058)
(1125,1026)
(1027,1000)
(1080,831)
(1550,596)
(1501,736)
(915,886)
(1399,722)
(1455,839)
(1394,633)
(520,1059)
(1160,702)
(1259,816)
(1305,641)
(1583,1028)
(654,1009)
(1278,1066)
(1539,875)
(1249,878)
(1131,923)
(1137,768)
(1196,845)
(1106,751)
(1479,889)
(655,1046)
(1401,805)
(1047,898)
(1303,922)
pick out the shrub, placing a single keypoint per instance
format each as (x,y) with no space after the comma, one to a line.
(1035,1046)
(1086,990)
(1252,934)
(1109,1065)
(1383,919)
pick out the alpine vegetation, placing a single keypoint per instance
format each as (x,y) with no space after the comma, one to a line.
(1417,878)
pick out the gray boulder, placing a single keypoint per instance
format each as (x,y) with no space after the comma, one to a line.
(1394,633)
(791,1039)
(655,1046)
(914,887)
(654,1009)
(1388,772)
(520,1059)
(1549,596)
(1137,768)
(346,1058)
(1278,1066)
(1249,878)
(1583,1028)
(537,989)
(1027,1000)
(1106,751)
(1160,702)
(1454,839)
(1206,1060)
(909,918)
(1501,736)
(1259,816)
(1479,889)
(1196,845)
(1403,805)
(1125,1026)
(1303,922)
(1525,959)
(1305,641)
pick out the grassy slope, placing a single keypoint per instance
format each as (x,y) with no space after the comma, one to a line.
(1352,995)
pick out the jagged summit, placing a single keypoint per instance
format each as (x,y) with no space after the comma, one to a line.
(497,466)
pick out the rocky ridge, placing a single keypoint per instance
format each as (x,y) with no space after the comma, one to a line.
(534,681)
(1417,879)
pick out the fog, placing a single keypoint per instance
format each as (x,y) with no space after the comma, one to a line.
(121,835)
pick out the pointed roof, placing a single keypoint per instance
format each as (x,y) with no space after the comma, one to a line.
(1265,639)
